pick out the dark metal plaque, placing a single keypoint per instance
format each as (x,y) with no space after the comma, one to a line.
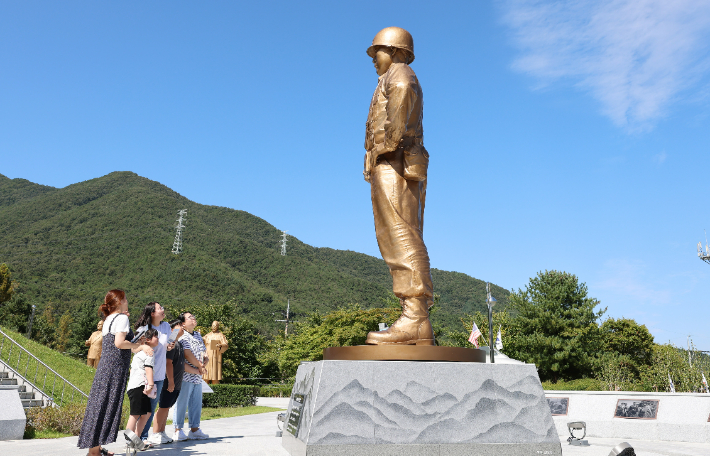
(294,418)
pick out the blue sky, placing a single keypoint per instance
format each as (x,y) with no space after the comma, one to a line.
(563,135)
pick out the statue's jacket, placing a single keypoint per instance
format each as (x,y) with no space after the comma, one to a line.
(394,129)
(396,109)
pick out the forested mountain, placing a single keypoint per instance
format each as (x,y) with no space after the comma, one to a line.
(69,246)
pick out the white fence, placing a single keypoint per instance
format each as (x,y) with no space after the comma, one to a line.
(679,417)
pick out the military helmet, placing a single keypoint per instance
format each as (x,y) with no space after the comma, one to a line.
(393,37)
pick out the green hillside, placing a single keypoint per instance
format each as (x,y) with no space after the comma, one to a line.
(69,246)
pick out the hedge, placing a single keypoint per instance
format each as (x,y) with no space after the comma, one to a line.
(230,396)
(275,390)
(581,384)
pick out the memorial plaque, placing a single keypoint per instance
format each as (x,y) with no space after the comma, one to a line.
(558,405)
(645,409)
(294,418)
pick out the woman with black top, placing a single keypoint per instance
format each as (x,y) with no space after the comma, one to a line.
(103,410)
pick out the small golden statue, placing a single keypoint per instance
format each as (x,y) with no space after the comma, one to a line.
(216,344)
(395,166)
(94,344)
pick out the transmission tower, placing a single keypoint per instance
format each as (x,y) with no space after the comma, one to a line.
(177,244)
(705,256)
(283,243)
(288,315)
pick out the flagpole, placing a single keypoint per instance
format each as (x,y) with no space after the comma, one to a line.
(490,322)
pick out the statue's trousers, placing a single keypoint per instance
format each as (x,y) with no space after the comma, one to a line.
(398,206)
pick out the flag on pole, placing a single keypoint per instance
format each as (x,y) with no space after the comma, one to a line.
(670,380)
(705,382)
(499,341)
(475,334)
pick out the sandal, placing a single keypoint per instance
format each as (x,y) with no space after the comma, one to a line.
(105,452)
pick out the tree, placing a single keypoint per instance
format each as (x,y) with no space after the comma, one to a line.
(555,326)
(85,317)
(15,314)
(43,329)
(241,360)
(341,328)
(63,332)
(626,337)
(666,361)
(7,286)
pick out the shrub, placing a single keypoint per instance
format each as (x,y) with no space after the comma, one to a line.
(66,419)
(582,384)
(275,390)
(230,396)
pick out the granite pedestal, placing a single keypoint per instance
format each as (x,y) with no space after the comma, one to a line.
(12,415)
(415,408)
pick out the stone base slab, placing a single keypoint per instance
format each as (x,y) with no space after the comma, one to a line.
(410,408)
(12,415)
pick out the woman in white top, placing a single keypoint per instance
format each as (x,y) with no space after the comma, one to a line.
(152,317)
(103,409)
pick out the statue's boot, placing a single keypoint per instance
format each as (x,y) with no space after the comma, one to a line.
(411,328)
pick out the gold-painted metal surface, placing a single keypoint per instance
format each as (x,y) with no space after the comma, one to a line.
(395,167)
(216,344)
(393,37)
(94,344)
(404,353)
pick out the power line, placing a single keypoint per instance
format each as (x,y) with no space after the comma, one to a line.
(177,244)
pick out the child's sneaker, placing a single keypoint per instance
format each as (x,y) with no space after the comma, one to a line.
(179,436)
(197,435)
(159,438)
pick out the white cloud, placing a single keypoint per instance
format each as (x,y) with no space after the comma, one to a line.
(634,56)
(660,158)
(626,280)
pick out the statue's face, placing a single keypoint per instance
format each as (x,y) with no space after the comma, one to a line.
(382,60)
(215,326)
(100,325)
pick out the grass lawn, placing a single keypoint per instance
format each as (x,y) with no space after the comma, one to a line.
(73,370)
(50,435)
(228,412)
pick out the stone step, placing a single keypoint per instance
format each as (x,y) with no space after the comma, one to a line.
(26,403)
(24,395)
(4,375)
(8,381)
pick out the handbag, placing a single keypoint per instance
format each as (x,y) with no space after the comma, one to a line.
(416,162)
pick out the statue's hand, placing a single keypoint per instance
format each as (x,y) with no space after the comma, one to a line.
(366,172)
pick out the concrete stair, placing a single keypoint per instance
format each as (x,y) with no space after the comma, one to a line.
(28,398)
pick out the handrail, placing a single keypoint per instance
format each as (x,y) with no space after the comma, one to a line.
(51,397)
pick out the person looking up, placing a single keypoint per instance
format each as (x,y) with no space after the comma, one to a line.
(190,397)
(152,317)
(174,369)
(103,409)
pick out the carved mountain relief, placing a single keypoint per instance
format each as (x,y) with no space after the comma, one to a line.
(417,414)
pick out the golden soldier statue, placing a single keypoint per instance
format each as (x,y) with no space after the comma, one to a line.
(94,344)
(395,166)
(216,344)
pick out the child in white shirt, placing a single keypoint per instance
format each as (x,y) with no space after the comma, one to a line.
(139,389)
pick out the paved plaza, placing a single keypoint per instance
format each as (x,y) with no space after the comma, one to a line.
(255,435)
